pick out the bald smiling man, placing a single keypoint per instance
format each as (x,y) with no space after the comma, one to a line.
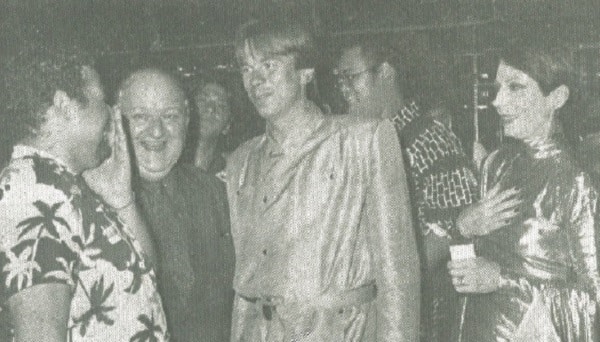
(186,210)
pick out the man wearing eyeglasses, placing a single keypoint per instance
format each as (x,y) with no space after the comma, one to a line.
(440,177)
(185,208)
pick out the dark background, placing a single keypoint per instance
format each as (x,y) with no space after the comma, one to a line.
(446,44)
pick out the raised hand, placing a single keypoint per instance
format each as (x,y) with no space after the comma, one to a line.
(112,179)
(492,212)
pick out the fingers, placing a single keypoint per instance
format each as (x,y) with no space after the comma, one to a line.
(461,265)
(493,191)
(120,145)
(503,196)
(509,204)
(506,194)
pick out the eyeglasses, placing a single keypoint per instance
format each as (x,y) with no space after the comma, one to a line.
(348,78)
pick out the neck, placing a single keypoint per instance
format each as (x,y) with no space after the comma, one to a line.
(53,148)
(205,151)
(542,136)
(393,102)
(294,119)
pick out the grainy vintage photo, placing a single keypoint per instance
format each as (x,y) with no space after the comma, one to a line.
(299,171)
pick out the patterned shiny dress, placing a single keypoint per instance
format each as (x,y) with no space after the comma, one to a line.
(548,254)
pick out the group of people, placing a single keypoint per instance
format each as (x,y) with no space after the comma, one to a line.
(324,228)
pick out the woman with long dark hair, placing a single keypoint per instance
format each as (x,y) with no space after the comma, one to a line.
(535,277)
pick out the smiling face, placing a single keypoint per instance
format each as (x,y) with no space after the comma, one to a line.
(156,109)
(273,83)
(525,111)
(357,80)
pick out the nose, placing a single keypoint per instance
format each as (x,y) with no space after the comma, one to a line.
(499,99)
(156,127)
(345,90)
(256,76)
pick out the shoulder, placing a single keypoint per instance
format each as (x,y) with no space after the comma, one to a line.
(360,129)
(25,180)
(568,170)
(239,155)
(199,179)
(18,174)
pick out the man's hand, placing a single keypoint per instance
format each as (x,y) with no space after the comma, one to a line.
(476,275)
(491,213)
(112,179)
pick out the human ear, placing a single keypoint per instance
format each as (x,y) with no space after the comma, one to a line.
(386,70)
(64,104)
(307,75)
(559,96)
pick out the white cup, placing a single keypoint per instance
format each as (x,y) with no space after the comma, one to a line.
(462,252)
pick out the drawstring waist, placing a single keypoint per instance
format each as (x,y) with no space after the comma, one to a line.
(328,300)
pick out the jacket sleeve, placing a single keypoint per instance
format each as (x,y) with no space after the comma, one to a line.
(392,240)
(584,239)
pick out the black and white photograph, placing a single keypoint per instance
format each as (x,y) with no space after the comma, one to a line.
(300,170)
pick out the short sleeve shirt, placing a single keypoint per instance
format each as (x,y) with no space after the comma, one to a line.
(54,229)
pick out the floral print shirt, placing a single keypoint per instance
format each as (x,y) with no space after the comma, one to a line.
(54,229)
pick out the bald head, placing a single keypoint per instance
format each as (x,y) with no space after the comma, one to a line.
(150,85)
(154,104)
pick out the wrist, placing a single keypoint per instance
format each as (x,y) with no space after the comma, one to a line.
(124,204)
(505,281)
(466,233)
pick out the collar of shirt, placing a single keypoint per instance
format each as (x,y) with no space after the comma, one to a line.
(23,151)
(165,185)
(302,131)
(406,114)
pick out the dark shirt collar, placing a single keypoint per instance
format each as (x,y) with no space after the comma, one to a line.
(167,184)
(406,114)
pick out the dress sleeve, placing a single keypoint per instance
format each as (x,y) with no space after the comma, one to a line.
(35,235)
(392,241)
(583,235)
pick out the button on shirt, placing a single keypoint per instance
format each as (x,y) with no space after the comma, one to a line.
(326,210)
(189,222)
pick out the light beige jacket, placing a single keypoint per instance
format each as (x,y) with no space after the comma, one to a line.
(324,213)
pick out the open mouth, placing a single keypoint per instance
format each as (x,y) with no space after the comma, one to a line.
(153,145)
(262,95)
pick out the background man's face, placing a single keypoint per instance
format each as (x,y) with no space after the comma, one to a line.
(89,145)
(357,81)
(273,83)
(213,109)
(156,109)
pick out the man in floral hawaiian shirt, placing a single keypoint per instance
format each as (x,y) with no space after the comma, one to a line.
(75,257)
